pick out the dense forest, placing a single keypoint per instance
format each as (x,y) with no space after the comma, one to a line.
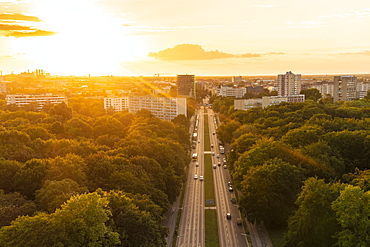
(302,167)
(74,175)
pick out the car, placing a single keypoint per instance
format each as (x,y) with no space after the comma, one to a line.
(213,153)
(213,133)
(195,176)
(229,184)
(233,200)
(211,145)
(196,164)
(198,141)
(218,156)
(201,178)
(228,216)
(214,166)
(219,163)
(225,166)
(231,188)
(238,221)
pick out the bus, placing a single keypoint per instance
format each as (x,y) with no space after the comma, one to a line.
(194,157)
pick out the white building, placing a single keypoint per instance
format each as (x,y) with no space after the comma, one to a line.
(275,100)
(24,99)
(362,89)
(225,91)
(2,88)
(324,88)
(289,84)
(164,108)
(246,104)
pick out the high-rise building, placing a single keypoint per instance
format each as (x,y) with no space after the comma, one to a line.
(236,79)
(344,88)
(289,84)
(185,86)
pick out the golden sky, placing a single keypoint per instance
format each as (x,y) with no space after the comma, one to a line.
(169,37)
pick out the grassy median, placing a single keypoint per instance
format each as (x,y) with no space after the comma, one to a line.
(211,228)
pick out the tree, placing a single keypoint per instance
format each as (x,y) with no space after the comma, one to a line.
(80,222)
(61,112)
(314,223)
(13,205)
(269,192)
(352,209)
(137,219)
(312,94)
(8,169)
(107,125)
(239,146)
(71,166)
(30,177)
(302,136)
(54,193)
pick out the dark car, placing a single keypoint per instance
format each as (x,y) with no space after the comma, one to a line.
(228,216)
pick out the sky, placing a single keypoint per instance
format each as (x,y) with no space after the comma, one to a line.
(200,37)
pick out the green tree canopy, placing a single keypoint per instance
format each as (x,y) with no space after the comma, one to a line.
(269,191)
(314,223)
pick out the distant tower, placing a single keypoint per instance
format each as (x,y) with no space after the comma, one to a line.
(289,84)
(345,88)
(185,86)
(236,79)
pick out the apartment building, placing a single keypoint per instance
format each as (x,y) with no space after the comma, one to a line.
(164,108)
(289,84)
(186,85)
(25,99)
(226,91)
(344,88)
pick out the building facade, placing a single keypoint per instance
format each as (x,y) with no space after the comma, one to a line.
(246,104)
(185,85)
(344,88)
(162,107)
(225,91)
(275,100)
(21,100)
(289,84)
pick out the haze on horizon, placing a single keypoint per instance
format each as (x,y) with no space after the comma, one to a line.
(224,37)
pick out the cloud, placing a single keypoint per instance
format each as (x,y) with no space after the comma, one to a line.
(31,34)
(20,26)
(196,52)
(18,17)
(5,27)
(365,53)
(188,52)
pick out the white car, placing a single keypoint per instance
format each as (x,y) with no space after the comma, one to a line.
(201,178)
(195,176)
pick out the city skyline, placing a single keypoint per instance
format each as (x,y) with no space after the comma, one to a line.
(111,37)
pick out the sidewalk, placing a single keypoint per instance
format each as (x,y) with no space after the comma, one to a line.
(170,221)
(259,235)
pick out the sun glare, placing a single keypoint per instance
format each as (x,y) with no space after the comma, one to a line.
(87,40)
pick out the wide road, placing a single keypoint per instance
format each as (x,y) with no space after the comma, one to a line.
(230,234)
(191,228)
